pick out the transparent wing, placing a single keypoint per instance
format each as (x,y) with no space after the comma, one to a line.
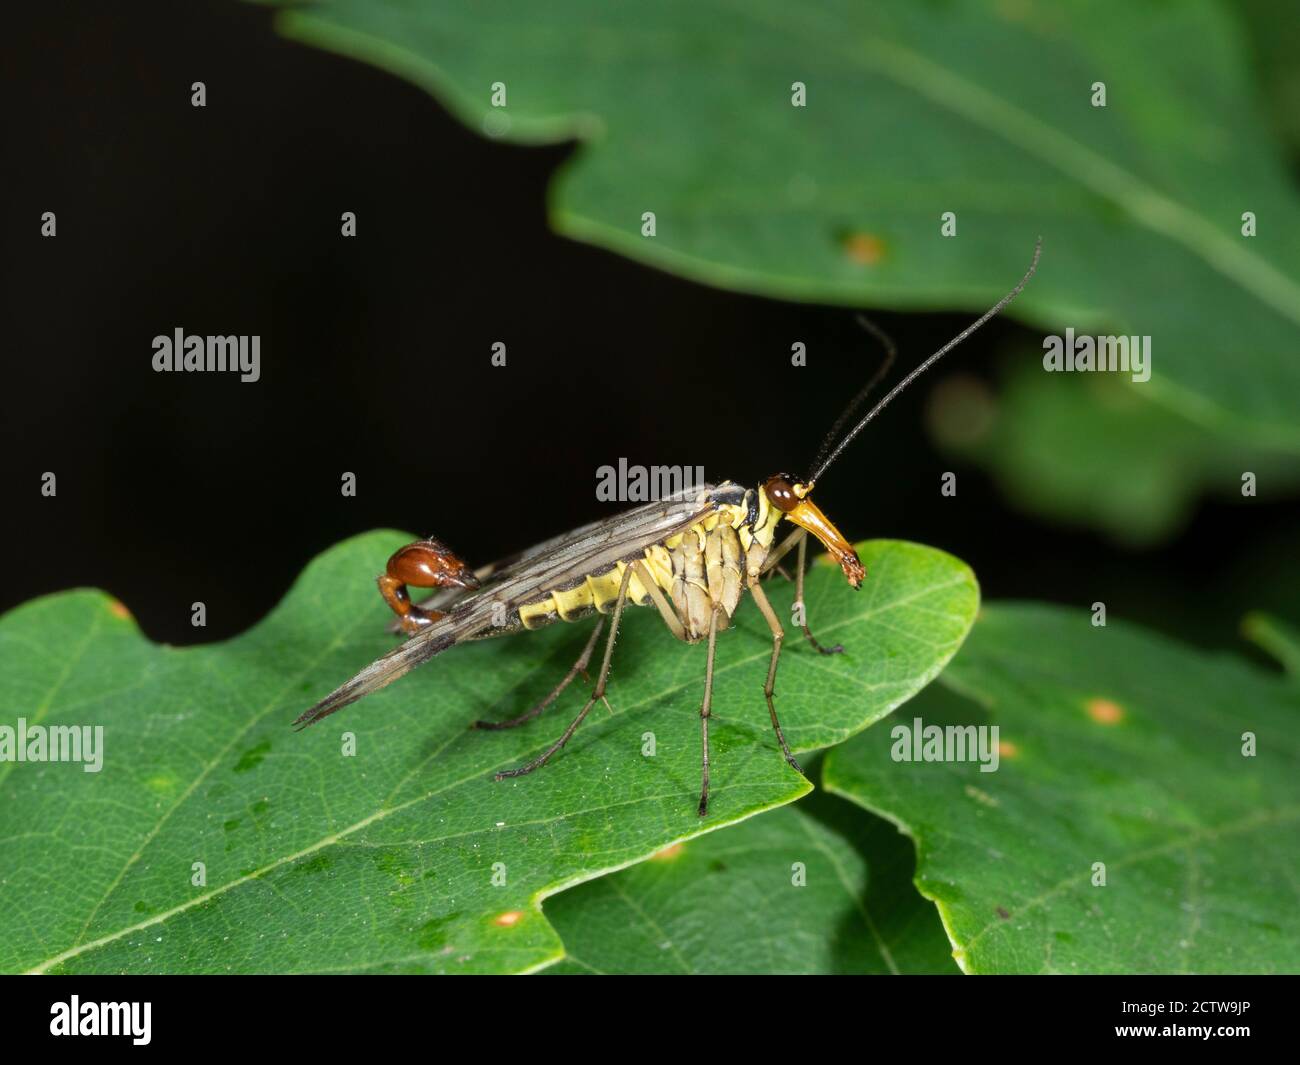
(564,560)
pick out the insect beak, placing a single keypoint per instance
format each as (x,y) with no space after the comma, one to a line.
(464,579)
(807,516)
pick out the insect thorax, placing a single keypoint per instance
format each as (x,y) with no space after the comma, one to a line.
(705,564)
(712,559)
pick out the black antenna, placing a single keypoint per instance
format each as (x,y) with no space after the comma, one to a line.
(891,353)
(893,392)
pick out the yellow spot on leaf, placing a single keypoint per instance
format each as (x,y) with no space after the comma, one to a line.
(668,853)
(865,249)
(1007,749)
(118,609)
(1105,712)
(508,919)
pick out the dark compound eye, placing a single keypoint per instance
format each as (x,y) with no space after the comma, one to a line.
(780,493)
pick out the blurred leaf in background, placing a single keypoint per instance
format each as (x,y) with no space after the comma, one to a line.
(1274,31)
(810,153)
(1277,638)
(1093,450)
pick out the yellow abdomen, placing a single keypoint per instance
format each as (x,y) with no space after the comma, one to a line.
(599,591)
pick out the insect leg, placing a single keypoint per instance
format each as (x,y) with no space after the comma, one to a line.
(705,711)
(782,549)
(579,666)
(767,574)
(597,692)
(665,608)
(778,634)
(798,598)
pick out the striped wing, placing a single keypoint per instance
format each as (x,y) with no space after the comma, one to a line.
(592,549)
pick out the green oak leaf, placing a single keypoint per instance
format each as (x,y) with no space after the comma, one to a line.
(983,109)
(1274,33)
(1118,747)
(1093,450)
(1279,638)
(314,860)
(814,887)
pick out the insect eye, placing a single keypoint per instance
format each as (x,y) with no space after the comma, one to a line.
(780,493)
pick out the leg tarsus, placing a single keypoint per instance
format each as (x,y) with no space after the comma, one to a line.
(838,649)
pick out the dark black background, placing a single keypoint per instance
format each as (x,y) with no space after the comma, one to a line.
(375,350)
